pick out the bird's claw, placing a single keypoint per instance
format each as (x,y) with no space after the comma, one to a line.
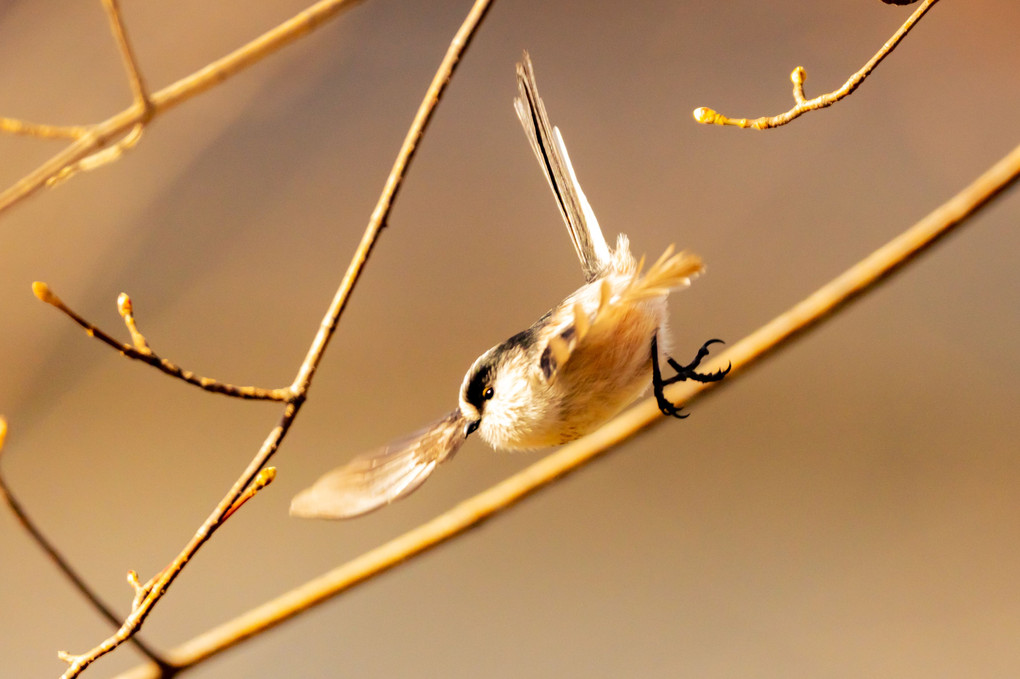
(683,373)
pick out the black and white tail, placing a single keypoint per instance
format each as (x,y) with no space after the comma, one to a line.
(547,142)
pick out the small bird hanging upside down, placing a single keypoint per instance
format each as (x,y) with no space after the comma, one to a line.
(576,367)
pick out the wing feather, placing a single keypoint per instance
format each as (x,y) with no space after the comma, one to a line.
(375,479)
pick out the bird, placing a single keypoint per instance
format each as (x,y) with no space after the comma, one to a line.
(576,367)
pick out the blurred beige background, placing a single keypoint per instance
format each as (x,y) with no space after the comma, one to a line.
(849,509)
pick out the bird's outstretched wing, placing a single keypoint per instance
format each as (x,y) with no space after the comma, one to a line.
(375,479)
(547,143)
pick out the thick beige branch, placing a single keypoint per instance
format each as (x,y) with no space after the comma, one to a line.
(861,278)
(710,117)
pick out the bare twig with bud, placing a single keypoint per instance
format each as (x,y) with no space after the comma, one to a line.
(802,105)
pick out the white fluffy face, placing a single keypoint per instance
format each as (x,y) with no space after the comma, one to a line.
(498,392)
(516,412)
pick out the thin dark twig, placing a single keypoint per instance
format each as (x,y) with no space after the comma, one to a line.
(63,564)
(141,352)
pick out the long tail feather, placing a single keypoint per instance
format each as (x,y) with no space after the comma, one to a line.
(547,143)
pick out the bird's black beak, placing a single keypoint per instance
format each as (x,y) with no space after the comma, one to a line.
(471,427)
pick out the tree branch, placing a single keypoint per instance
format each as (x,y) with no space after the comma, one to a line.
(127,54)
(147,595)
(27,129)
(708,116)
(124,129)
(141,351)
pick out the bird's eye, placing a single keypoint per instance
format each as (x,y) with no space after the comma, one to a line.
(488,393)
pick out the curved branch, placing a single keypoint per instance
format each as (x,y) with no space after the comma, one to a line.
(709,116)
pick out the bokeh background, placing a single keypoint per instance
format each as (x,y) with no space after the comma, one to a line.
(850,508)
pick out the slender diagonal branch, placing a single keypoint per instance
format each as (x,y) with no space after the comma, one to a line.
(393,182)
(816,308)
(710,117)
(147,595)
(127,53)
(141,351)
(101,157)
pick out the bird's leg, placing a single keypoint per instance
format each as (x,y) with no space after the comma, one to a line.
(683,373)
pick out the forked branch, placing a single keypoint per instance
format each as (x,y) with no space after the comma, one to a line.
(142,104)
(140,351)
(256,475)
(106,150)
(99,144)
(801,104)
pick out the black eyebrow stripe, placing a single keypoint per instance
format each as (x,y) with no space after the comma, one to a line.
(476,387)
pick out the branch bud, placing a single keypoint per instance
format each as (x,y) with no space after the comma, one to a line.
(124,305)
(43,292)
(264,478)
(704,115)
